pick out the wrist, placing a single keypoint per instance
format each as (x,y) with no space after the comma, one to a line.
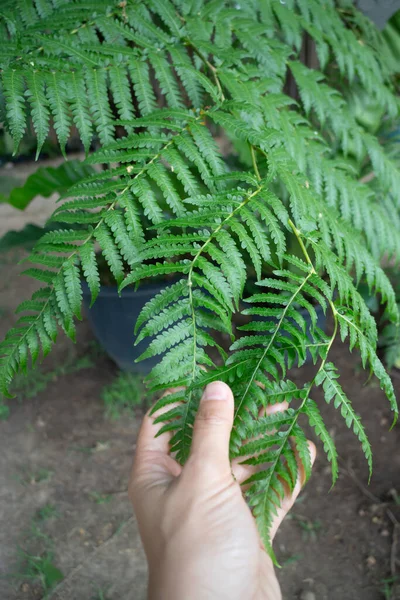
(173,580)
(164,585)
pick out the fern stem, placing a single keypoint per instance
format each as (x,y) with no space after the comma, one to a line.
(194,365)
(271,341)
(323,362)
(321,367)
(192,308)
(224,222)
(297,233)
(291,300)
(332,306)
(208,64)
(254,161)
(288,432)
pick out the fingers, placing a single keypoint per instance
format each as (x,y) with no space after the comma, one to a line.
(152,453)
(290,497)
(242,471)
(212,427)
(147,439)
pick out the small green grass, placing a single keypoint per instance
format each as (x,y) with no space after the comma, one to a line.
(83,449)
(36,559)
(39,569)
(123,395)
(30,384)
(395,495)
(35,477)
(100,498)
(37,533)
(100,594)
(310,528)
(41,475)
(289,560)
(387,587)
(48,511)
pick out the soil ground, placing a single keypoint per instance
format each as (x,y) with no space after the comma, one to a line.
(64,469)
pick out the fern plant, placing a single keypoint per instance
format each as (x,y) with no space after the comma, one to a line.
(152,86)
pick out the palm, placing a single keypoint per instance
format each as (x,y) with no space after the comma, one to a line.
(199,534)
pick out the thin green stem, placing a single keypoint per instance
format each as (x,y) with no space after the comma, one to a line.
(289,431)
(209,65)
(191,303)
(271,341)
(254,161)
(303,402)
(221,225)
(297,233)
(273,337)
(321,367)
(334,313)
(213,234)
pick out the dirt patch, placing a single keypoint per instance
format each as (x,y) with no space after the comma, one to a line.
(64,471)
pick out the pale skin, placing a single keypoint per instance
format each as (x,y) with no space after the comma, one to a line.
(198,533)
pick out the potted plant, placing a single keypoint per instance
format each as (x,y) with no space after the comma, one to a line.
(114,314)
(167,202)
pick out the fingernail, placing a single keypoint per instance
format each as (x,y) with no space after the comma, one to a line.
(217,390)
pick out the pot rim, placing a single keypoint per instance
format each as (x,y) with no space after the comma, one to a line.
(112,290)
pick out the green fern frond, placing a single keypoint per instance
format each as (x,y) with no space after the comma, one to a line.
(266,488)
(189,76)
(13,86)
(80,107)
(90,269)
(57,95)
(139,72)
(120,88)
(166,79)
(99,105)
(39,107)
(328,378)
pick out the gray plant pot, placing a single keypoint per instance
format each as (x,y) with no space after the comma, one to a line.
(379,11)
(112,319)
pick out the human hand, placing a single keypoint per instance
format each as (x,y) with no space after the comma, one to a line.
(198,533)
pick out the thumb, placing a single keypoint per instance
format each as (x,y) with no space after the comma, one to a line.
(213,424)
